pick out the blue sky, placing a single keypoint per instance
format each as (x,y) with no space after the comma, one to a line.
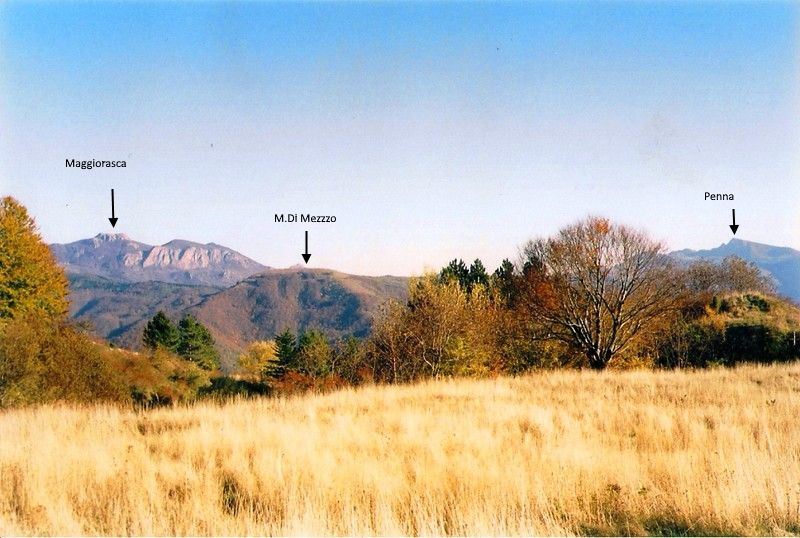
(431,130)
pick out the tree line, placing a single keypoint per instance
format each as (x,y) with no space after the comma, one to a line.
(594,295)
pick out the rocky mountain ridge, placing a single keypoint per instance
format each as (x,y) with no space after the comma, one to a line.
(117,257)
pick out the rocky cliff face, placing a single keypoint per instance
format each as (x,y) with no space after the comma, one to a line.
(118,257)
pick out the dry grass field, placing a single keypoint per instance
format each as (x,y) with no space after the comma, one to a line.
(558,453)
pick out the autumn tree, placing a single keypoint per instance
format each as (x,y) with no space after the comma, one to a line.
(259,360)
(442,330)
(732,274)
(348,360)
(314,354)
(606,285)
(30,280)
(42,356)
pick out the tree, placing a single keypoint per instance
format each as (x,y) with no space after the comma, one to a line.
(196,343)
(456,270)
(477,275)
(314,354)
(441,331)
(348,360)
(502,281)
(285,353)
(259,360)
(30,279)
(607,285)
(160,331)
(43,360)
(732,274)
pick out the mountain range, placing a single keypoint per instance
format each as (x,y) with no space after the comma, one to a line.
(117,284)
(117,257)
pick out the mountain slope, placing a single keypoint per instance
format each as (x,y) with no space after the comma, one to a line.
(118,310)
(256,308)
(265,304)
(781,262)
(117,257)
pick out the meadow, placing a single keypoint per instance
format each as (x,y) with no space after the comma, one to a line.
(558,453)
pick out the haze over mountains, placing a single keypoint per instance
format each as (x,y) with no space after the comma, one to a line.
(117,284)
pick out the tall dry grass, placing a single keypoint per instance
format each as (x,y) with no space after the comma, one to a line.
(553,453)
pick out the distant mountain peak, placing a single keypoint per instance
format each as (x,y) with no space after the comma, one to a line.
(116,256)
(106,237)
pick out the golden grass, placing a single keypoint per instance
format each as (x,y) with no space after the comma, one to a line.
(553,453)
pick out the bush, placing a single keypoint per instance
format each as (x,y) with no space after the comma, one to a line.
(158,377)
(45,361)
(226,388)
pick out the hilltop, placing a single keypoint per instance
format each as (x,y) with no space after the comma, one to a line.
(297,298)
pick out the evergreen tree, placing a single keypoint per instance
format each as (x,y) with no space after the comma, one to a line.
(30,280)
(503,281)
(196,343)
(285,352)
(477,274)
(160,331)
(456,270)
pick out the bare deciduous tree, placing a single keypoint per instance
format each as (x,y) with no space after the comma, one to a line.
(608,285)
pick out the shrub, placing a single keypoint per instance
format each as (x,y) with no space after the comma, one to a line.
(44,361)
(226,388)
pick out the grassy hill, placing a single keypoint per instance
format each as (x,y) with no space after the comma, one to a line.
(555,453)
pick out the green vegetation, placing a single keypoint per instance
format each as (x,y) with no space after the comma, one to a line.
(190,339)
(161,332)
(196,343)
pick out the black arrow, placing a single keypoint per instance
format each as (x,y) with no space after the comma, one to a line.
(113,219)
(306,256)
(734,226)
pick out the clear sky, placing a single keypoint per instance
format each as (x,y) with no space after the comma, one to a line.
(431,130)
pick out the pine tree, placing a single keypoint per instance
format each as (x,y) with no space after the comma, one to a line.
(503,281)
(30,280)
(456,270)
(285,352)
(196,343)
(161,332)
(477,274)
